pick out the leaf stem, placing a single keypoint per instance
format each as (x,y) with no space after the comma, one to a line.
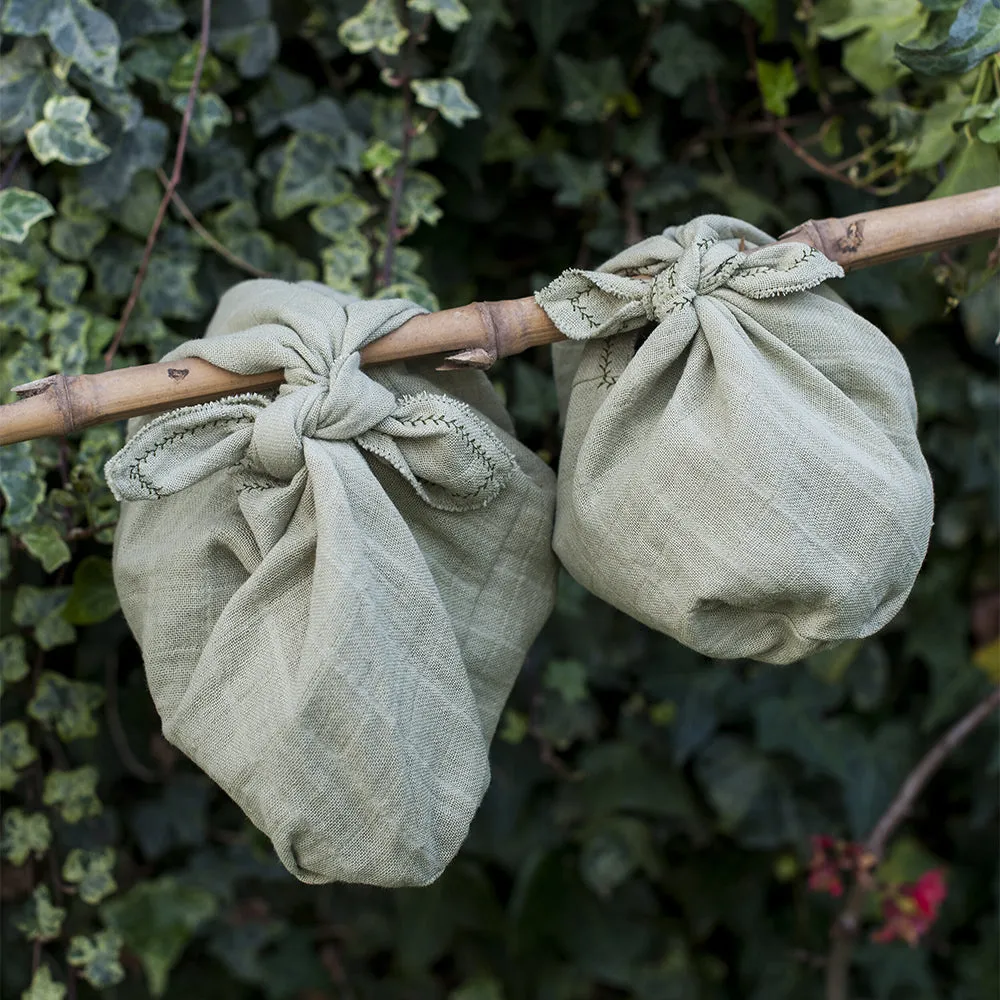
(218,247)
(845,927)
(175,177)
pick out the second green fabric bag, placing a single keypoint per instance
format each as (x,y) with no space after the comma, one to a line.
(335,589)
(748,479)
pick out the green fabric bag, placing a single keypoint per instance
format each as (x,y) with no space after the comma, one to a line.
(335,589)
(748,479)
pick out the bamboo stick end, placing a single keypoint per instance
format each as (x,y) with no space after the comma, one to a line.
(35,388)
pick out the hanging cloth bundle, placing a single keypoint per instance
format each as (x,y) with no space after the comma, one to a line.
(748,478)
(334,587)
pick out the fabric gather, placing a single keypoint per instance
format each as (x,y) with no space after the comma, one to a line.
(334,586)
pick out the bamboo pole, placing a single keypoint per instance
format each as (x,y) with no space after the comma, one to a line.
(472,336)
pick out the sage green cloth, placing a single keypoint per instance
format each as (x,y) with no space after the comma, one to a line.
(334,589)
(748,479)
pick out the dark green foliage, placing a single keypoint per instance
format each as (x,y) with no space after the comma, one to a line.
(647,830)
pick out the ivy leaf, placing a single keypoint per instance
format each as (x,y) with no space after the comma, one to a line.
(375,27)
(97,958)
(39,919)
(283,91)
(42,608)
(92,872)
(46,544)
(308,175)
(93,598)
(139,18)
(13,660)
(341,217)
(254,46)
(66,706)
(568,678)
(593,89)
(141,148)
(870,56)
(64,284)
(209,113)
(684,58)
(448,97)
(156,919)
(450,14)
(417,202)
(77,229)
(43,986)
(85,36)
(26,84)
(347,259)
(24,835)
(19,211)
(73,793)
(955,40)
(777,84)
(64,134)
(16,753)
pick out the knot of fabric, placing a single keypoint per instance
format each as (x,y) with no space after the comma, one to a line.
(339,404)
(701,268)
(441,446)
(665,275)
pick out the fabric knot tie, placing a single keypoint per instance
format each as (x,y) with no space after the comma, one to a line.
(665,275)
(339,404)
(327,412)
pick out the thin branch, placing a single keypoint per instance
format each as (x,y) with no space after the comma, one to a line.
(218,247)
(817,165)
(175,178)
(392,229)
(845,928)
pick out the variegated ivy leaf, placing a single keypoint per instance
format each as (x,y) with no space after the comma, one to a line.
(375,27)
(346,260)
(417,204)
(16,753)
(46,544)
(22,485)
(44,987)
(77,229)
(13,659)
(24,835)
(343,216)
(308,175)
(64,134)
(86,37)
(92,872)
(66,706)
(448,97)
(450,14)
(97,958)
(19,211)
(73,793)
(253,45)
(40,920)
(209,113)
(64,284)
(26,83)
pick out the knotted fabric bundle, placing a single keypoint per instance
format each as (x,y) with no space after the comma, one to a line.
(334,589)
(747,479)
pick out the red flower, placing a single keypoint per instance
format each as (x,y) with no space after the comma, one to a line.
(830,857)
(910,909)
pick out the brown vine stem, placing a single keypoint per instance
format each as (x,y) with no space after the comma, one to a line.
(115,728)
(223,251)
(845,927)
(399,180)
(175,178)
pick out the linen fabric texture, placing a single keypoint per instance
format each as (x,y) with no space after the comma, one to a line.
(334,587)
(747,479)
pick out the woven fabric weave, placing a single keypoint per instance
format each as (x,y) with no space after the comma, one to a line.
(748,478)
(335,588)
